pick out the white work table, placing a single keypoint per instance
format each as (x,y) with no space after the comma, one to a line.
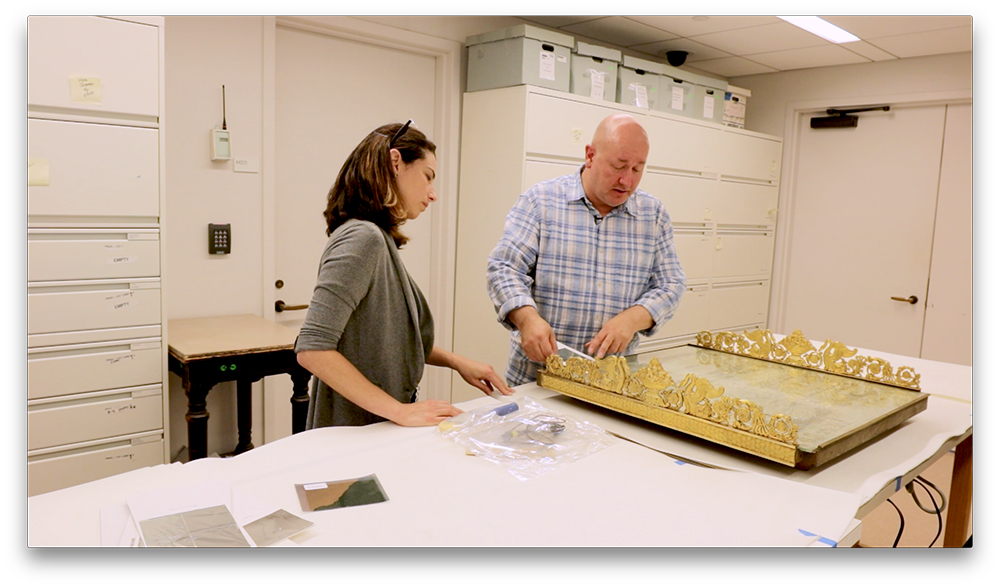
(624,495)
(872,472)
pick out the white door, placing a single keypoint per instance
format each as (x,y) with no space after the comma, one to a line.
(863,210)
(329,94)
(948,325)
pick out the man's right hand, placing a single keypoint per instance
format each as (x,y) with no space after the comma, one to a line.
(537,337)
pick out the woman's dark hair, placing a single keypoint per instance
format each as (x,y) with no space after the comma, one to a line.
(366,186)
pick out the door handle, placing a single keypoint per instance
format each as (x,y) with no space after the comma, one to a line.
(281,306)
(911,299)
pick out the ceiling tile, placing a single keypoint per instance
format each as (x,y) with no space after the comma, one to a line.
(619,31)
(558,21)
(689,26)
(808,57)
(866,49)
(868,27)
(732,67)
(696,51)
(956,40)
(762,39)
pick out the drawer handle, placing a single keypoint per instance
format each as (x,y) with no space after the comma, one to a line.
(280,306)
(911,299)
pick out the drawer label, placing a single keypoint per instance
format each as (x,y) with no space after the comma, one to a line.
(120,409)
(85,90)
(128,456)
(121,301)
(122,259)
(114,360)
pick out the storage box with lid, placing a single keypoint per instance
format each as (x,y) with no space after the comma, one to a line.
(638,82)
(519,55)
(709,97)
(677,92)
(734,110)
(594,71)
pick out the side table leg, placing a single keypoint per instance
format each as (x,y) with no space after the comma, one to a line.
(197,420)
(300,399)
(244,415)
(956,530)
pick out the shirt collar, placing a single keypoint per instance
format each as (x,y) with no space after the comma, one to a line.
(578,193)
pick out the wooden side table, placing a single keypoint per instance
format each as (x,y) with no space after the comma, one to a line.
(242,348)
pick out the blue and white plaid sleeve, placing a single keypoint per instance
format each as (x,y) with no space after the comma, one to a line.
(511,265)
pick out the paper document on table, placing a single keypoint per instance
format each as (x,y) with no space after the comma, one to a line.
(118,528)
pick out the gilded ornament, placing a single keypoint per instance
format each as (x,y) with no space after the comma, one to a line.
(797,350)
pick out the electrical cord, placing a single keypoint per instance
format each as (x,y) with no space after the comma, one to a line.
(921,482)
(925,482)
(902,523)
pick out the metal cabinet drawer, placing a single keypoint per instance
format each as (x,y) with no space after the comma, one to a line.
(746,204)
(86,305)
(745,254)
(737,305)
(120,58)
(52,469)
(64,370)
(92,416)
(691,315)
(95,171)
(65,254)
(688,200)
(694,251)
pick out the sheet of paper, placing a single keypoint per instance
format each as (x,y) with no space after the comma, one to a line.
(86,90)
(641,99)
(596,84)
(38,172)
(118,528)
(677,98)
(709,110)
(547,65)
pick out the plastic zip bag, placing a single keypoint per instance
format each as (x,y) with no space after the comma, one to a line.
(525,437)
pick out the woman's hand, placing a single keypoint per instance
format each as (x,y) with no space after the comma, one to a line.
(481,375)
(476,374)
(424,413)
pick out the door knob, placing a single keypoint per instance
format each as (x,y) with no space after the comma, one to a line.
(911,299)
(281,306)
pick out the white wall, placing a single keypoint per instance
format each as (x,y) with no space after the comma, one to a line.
(772,92)
(202,54)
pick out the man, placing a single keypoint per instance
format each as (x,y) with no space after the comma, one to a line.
(586,259)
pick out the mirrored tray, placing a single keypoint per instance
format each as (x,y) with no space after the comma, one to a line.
(800,415)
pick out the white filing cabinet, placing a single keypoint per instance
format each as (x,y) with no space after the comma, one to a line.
(97,359)
(719,184)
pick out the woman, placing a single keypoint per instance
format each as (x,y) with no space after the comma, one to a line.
(369,331)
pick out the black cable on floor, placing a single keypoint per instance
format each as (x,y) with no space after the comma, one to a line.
(901,523)
(937,510)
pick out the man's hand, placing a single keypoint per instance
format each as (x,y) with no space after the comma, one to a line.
(616,333)
(537,338)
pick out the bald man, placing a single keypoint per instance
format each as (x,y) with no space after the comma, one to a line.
(587,259)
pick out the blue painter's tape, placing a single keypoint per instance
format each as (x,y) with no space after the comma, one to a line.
(680,462)
(821,539)
(899,482)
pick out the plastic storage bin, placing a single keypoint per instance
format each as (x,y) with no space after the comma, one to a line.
(594,71)
(519,55)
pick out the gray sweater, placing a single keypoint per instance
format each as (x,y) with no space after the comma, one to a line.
(367,307)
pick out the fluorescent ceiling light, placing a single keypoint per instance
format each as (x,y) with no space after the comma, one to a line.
(820,27)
